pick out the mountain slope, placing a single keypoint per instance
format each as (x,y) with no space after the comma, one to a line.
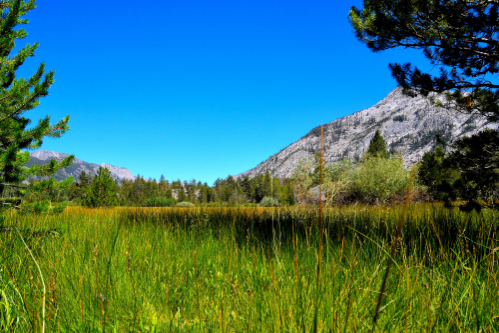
(408,125)
(44,156)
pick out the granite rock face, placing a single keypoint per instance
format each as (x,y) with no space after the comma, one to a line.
(44,156)
(407,124)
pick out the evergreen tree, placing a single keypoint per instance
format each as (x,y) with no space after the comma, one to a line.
(245,186)
(78,189)
(102,191)
(203,194)
(316,174)
(267,189)
(137,191)
(435,173)
(163,185)
(476,159)
(377,146)
(181,196)
(83,179)
(17,96)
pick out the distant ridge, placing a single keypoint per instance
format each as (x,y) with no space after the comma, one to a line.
(408,125)
(40,157)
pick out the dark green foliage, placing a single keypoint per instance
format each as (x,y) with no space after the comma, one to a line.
(78,189)
(316,131)
(435,172)
(377,146)
(477,159)
(102,191)
(469,172)
(160,202)
(400,118)
(17,96)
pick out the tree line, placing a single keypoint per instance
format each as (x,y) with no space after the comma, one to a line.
(102,190)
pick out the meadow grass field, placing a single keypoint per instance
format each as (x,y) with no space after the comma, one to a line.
(249,270)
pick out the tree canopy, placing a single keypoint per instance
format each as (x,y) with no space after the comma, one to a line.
(461,38)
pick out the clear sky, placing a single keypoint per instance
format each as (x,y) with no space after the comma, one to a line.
(200,89)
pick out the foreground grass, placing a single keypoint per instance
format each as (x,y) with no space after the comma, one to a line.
(249,270)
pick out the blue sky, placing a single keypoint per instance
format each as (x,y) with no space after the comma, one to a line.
(200,89)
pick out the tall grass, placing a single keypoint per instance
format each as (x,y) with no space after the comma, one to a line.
(250,270)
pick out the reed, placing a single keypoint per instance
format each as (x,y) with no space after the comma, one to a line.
(252,270)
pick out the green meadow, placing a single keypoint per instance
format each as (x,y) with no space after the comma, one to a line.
(249,270)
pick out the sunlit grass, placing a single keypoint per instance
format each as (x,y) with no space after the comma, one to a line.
(250,270)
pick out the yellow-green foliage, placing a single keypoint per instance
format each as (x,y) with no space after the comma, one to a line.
(378,178)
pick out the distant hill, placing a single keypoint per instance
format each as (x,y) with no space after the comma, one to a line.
(44,156)
(409,126)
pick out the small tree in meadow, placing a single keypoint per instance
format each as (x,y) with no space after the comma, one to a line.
(102,191)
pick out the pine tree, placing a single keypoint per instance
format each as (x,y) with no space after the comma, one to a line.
(78,189)
(267,189)
(17,96)
(163,185)
(83,178)
(181,196)
(377,146)
(137,191)
(245,186)
(459,37)
(102,191)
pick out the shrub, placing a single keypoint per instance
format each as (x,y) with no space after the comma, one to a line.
(400,118)
(375,179)
(269,202)
(185,204)
(160,202)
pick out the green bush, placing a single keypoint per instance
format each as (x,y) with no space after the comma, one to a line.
(375,179)
(269,202)
(185,204)
(160,202)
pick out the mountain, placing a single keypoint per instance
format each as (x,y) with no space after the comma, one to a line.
(44,156)
(407,124)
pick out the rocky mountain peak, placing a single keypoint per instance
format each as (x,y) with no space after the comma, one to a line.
(122,173)
(40,157)
(408,124)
